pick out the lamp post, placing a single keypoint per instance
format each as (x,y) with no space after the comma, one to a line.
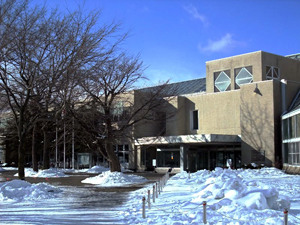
(63,113)
(73,134)
(56,143)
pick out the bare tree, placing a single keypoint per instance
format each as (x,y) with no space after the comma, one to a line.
(77,42)
(112,107)
(50,63)
(21,56)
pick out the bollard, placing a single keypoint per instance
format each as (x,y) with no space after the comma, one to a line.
(189,174)
(156,191)
(204,212)
(144,207)
(159,187)
(285,214)
(149,204)
(153,193)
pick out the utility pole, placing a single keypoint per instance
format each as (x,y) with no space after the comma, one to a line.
(73,134)
(63,113)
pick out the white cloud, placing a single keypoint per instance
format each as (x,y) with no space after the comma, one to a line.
(194,12)
(225,43)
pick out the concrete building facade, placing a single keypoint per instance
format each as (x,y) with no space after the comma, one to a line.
(234,119)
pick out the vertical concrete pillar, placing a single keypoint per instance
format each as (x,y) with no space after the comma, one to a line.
(183,157)
(138,157)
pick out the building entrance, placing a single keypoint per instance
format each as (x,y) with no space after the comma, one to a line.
(210,157)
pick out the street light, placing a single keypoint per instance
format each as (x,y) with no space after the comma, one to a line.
(63,113)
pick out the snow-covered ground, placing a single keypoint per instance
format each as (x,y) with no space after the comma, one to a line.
(232,196)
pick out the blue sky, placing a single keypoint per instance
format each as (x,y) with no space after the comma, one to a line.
(176,37)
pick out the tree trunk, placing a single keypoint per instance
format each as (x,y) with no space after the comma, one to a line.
(46,158)
(33,151)
(114,163)
(21,136)
(21,170)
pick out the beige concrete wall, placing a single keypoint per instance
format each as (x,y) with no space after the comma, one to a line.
(176,116)
(146,127)
(289,70)
(257,121)
(253,59)
(219,113)
(173,121)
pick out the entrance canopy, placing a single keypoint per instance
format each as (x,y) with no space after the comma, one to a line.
(185,139)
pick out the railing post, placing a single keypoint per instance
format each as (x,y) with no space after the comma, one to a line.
(153,193)
(149,204)
(156,191)
(159,187)
(144,207)
(285,214)
(204,212)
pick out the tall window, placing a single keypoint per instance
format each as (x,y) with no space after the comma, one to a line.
(194,120)
(222,81)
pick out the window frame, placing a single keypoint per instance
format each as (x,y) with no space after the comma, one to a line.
(194,113)
(217,76)
(272,70)
(246,69)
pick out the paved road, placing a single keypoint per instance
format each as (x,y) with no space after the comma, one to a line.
(77,204)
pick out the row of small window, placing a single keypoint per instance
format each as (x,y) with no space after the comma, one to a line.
(291,153)
(242,76)
(123,152)
(291,127)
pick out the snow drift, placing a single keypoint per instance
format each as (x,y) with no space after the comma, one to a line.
(114,179)
(22,190)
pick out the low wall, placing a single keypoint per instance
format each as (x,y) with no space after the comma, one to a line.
(167,169)
(291,169)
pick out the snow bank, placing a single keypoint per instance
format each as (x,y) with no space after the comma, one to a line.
(101,169)
(97,169)
(23,190)
(52,172)
(114,179)
(230,197)
(229,184)
(261,173)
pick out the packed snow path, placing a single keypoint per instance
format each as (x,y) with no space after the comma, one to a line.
(74,202)
(74,206)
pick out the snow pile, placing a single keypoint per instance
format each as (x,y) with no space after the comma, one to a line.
(28,173)
(226,185)
(113,179)
(52,172)
(23,190)
(231,199)
(261,173)
(1,169)
(97,169)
